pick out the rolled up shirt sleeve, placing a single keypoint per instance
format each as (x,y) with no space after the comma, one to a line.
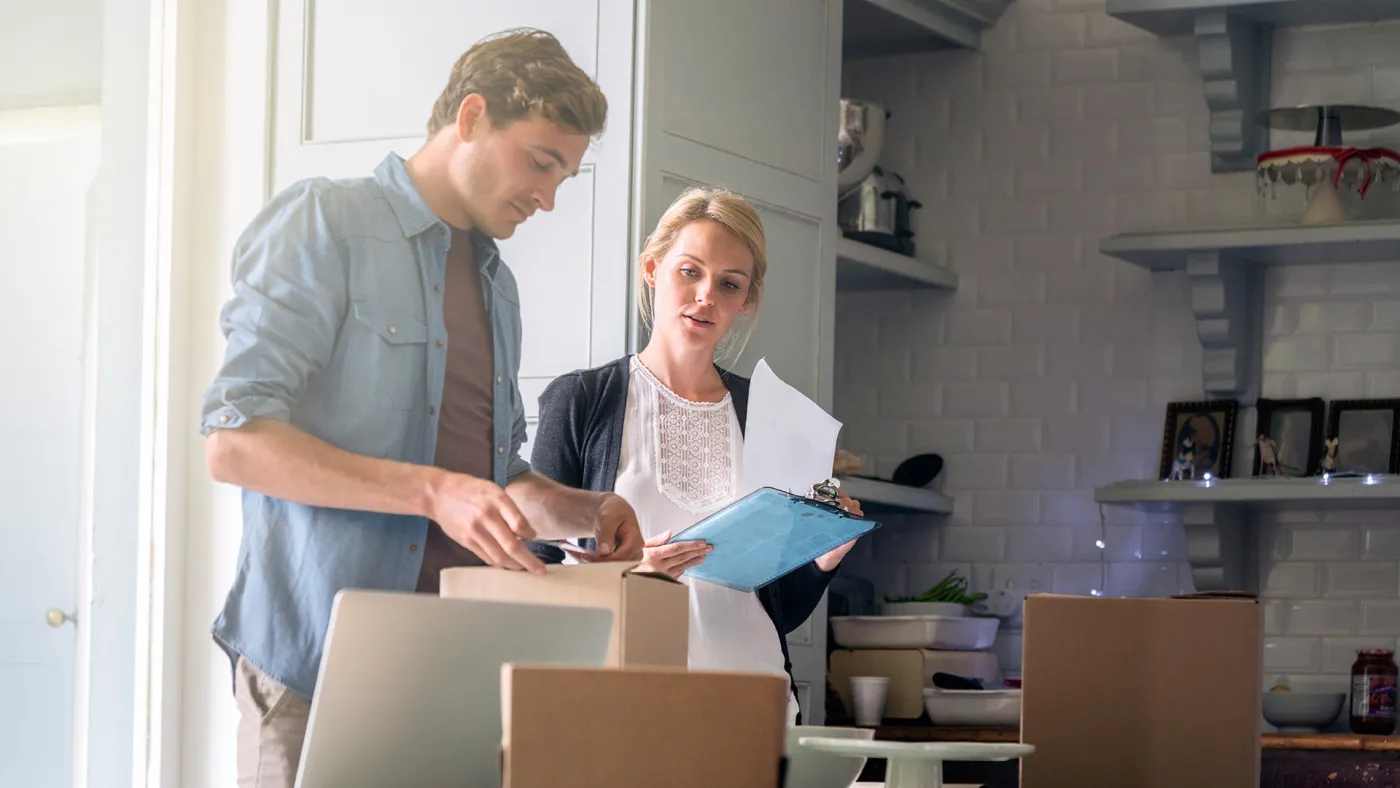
(290,293)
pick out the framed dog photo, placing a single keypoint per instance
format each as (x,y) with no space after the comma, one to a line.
(1367,433)
(1198,438)
(1292,428)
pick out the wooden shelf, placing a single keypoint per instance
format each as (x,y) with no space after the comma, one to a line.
(873,28)
(1235,51)
(878,497)
(1177,17)
(1378,491)
(864,267)
(1219,516)
(1291,244)
(1225,268)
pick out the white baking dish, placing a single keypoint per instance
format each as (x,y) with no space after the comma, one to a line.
(987,708)
(954,633)
(923,609)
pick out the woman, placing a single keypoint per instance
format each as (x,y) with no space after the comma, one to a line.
(664,428)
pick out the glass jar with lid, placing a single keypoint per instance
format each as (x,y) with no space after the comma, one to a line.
(1373,680)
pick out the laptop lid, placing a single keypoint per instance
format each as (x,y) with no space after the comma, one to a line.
(409,689)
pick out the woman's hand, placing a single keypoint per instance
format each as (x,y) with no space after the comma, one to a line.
(831,560)
(672,559)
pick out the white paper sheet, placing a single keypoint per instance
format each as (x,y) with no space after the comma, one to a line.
(789,441)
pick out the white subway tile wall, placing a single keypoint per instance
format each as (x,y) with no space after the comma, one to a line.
(1049,371)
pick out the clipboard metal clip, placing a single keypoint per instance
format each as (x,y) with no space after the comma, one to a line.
(827,492)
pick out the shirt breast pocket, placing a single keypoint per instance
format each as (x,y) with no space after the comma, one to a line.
(394,345)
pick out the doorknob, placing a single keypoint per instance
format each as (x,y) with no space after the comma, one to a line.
(58,618)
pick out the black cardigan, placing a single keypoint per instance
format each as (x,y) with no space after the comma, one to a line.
(578,443)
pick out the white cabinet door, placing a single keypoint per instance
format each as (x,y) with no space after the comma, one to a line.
(744,95)
(356,79)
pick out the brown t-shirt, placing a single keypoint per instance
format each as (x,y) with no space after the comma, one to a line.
(465,436)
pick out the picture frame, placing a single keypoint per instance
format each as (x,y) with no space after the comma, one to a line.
(1211,427)
(1296,426)
(1367,433)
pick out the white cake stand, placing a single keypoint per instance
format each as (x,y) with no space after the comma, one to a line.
(916,764)
(1325,171)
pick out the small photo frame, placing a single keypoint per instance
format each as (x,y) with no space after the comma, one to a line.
(1201,432)
(1295,426)
(1367,433)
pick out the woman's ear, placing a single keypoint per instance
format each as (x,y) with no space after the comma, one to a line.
(649,270)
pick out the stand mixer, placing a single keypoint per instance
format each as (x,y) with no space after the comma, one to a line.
(872,205)
(859,143)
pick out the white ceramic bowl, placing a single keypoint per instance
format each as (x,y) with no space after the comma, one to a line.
(808,768)
(1302,712)
(923,609)
(989,708)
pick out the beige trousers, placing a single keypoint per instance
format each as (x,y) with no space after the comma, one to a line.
(271,726)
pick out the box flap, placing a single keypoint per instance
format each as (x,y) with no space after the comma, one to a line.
(655,620)
(1236,595)
(662,576)
(605,574)
(652,614)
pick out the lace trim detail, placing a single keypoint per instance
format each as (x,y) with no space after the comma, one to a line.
(694,447)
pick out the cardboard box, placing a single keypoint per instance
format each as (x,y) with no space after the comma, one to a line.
(641,728)
(651,612)
(1152,693)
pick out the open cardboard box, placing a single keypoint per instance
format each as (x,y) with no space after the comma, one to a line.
(651,612)
(641,728)
(1149,693)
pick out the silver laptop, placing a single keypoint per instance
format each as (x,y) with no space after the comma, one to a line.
(409,691)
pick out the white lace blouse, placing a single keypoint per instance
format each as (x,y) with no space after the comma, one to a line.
(679,462)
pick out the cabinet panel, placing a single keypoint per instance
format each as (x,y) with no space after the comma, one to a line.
(789,324)
(745,95)
(356,79)
(747,78)
(374,69)
(552,259)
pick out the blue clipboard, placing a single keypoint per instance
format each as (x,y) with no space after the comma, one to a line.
(767,534)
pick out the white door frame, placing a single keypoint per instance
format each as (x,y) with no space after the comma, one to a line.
(206,173)
(132,576)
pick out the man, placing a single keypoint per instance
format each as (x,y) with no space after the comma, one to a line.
(368,403)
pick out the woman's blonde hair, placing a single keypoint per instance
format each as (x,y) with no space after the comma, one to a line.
(730,211)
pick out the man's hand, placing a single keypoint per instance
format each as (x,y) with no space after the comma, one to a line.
(616,531)
(479,516)
(673,559)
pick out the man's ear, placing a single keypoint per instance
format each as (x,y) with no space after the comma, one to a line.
(470,114)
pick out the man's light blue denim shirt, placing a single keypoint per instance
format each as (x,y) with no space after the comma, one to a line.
(335,326)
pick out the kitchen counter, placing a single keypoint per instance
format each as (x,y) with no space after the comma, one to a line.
(1337,760)
(1331,741)
(1269,741)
